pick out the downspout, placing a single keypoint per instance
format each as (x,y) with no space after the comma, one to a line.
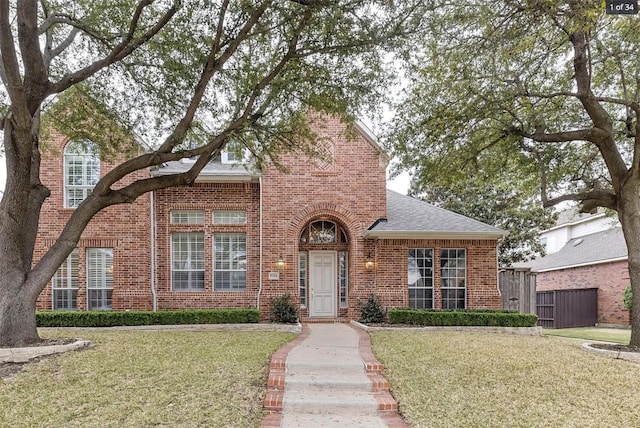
(498,266)
(260,263)
(154,292)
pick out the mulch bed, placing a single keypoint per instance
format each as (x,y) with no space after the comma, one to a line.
(8,370)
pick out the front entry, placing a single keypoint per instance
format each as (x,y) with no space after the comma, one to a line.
(322,283)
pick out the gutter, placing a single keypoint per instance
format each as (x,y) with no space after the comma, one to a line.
(260,250)
(152,213)
(577,265)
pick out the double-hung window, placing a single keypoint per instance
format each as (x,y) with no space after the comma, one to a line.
(420,275)
(99,278)
(230,262)
(81,172)
(65,284)
(187,261)
(453,274)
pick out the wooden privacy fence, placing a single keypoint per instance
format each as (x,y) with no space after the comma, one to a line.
(518,290)
(567,308)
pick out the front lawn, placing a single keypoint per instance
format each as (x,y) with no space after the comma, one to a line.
(464,379)
(592,333)
(145,378)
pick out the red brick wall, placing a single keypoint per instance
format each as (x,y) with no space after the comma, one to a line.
(609,278)
(125,228)
(350,191)
(390,282)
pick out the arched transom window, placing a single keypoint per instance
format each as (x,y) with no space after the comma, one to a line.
(322,232)
(81,171)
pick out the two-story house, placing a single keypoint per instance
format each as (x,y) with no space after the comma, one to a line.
(327,232)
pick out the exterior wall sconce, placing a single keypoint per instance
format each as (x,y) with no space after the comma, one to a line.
(368,263)
(280,263)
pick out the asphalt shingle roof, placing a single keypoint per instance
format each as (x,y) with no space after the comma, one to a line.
(595,248)
(408,218)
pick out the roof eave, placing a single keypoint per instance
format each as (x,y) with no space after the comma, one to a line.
(577,265)
(216,178)
(431,234)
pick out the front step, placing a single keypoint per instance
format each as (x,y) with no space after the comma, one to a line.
(328,382)
(334,402)
(331,421)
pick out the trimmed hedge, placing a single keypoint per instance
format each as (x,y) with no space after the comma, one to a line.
(481,318)
(132,318)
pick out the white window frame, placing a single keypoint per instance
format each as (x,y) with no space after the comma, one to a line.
(303,266)
(229,217)
(343,278)
(65,283)
(416,280)
(229,264)
(82,155)
(99,278)
(229,156)
(191,260)
(187,217)
(452,275)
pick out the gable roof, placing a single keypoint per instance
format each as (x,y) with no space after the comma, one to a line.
(214,171)
(600,247)
(411,218)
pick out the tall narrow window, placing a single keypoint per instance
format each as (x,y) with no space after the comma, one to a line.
(453,271)
(65,284)
(187,261)
(343,278)
(99,278)
(230,262)
(420,276)
(302,277)
(81,172)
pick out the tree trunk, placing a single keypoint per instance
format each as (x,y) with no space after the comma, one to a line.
(629,215)
(17,317)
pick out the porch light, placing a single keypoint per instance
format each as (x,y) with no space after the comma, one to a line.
(280,263)
(368,263)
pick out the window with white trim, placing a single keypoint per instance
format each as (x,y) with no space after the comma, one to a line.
(81,172)
(453,274)
(234,153)
(302,278)
(229,262)
(99,278)
(64,284)
(343,277)
(187,217)
(187,261)
(229,217)
(420,275)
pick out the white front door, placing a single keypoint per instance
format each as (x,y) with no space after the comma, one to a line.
(322,283)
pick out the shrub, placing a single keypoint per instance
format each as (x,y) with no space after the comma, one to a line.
(283,310)
(627,298)
(371,311)
(131,318)
(481,318)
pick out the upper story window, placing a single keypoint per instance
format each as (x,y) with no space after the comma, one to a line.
(81,171)
(234,153)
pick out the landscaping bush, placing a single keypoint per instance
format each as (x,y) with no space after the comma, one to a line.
(371,311)
(283,310)
(482,318)
(133,318)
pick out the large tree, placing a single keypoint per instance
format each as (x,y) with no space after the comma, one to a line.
(203,72)
(550,86)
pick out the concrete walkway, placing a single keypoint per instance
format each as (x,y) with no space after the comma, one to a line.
(328,377)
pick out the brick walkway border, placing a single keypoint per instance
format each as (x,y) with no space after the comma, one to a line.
(273,402)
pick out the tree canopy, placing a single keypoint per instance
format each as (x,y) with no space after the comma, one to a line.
(547,88)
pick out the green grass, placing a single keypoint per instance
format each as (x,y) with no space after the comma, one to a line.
(143,379)
(464,379)
(592,333)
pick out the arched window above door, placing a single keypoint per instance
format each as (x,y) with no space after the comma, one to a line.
(322,232)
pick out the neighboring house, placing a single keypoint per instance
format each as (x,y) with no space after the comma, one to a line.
(327,232)
(594,255)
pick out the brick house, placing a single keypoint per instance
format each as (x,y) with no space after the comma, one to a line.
(595,260)
(327,232)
